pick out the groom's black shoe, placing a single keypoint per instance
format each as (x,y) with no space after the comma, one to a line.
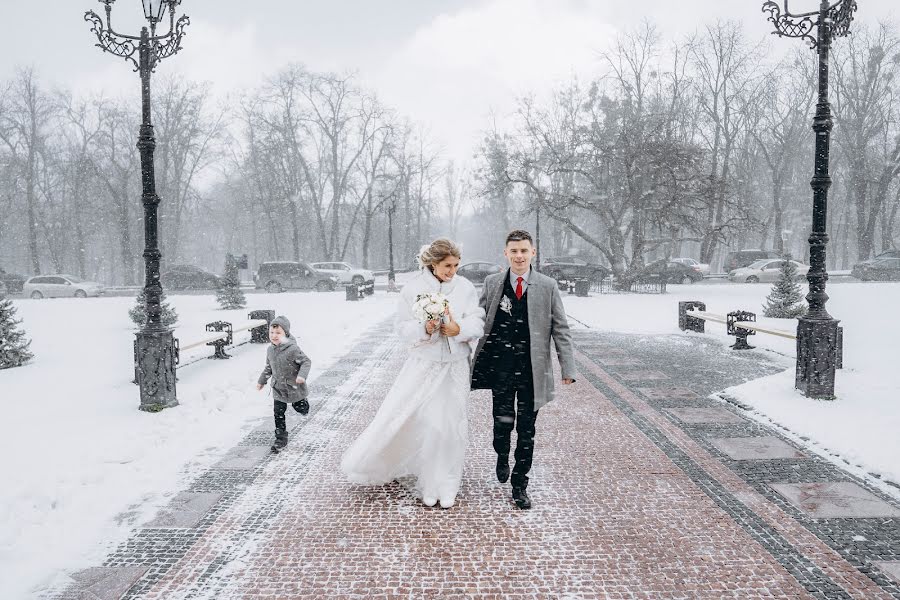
(520,497)
(502,468)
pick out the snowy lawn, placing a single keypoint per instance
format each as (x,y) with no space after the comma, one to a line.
(861,426)
(82,465)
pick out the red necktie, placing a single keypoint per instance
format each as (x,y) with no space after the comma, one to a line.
(519,288)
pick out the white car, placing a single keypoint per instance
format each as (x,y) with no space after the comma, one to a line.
(60,286)
(767,269)
(690,262)
(344,272)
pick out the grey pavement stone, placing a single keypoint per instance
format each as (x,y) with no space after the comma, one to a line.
(890,568)
(835,499)
(104,583)
(243,457)
(642,375)
(756,448)
(713,414)
(185,510)
(669,393)
(619,361)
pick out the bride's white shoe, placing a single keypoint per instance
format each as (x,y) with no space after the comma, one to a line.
(448,503)
(429,501)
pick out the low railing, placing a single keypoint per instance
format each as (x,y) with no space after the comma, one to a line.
(692,316)
(608,285)
(223,336)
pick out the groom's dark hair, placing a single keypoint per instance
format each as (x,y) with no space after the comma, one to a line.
(518,235)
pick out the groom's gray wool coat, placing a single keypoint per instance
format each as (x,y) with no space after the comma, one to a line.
(546,320)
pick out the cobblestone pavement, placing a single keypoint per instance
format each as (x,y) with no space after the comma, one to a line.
(643,488)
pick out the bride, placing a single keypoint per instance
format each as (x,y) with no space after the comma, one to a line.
(419,433)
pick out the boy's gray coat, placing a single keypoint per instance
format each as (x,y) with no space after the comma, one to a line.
(546,320)
(284,363)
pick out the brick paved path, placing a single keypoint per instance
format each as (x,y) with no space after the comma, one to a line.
(642,489)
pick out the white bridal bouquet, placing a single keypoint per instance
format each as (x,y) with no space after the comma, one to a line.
(430,307)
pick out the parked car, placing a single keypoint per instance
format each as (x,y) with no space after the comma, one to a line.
(744,258)
(60,286)
(289,275)
(573,267)
(13,281)
(694,264)
(878,269)
(188,277)
(889,254)
(670,272)
(344,272)
(765,270)
(477,271)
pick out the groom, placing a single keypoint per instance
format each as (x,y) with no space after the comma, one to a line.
(524,311)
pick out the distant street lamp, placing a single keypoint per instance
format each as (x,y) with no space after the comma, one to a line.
(817,332)
(392,277)
(155,345)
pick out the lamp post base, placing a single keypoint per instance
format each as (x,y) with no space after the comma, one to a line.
(817,343)
(156,369)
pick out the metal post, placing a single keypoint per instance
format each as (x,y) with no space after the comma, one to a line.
(817,331)
(392,277)
(155,346)
(537,235)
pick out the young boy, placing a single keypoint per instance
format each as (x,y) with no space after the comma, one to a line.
(288,367)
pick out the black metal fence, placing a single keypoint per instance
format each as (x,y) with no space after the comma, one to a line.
(581,287)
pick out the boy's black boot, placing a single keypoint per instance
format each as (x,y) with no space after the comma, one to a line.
(281,440)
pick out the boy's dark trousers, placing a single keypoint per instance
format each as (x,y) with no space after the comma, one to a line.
(514,406)
(280,408)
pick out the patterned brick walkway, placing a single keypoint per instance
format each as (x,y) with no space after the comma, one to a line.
(643,488)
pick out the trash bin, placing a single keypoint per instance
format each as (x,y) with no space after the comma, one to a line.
(352,292)
(582,287)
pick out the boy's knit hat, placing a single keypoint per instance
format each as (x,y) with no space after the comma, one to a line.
(282,322)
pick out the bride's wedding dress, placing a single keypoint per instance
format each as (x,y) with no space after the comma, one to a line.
(420,432)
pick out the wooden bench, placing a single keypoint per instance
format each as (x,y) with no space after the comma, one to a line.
(222,335)
(358,291)
(692,316)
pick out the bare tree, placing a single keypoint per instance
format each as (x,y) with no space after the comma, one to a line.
(23,129)
(866,67)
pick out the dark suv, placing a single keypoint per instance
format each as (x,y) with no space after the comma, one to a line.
(670,272)
(572,267)
(289,275)
(744,258)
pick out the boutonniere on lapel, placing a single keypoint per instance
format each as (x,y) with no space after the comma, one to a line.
(506,305)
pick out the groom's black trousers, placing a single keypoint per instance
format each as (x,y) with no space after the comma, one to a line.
(514,407)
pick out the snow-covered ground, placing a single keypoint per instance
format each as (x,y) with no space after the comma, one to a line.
(860,427)
(82,465)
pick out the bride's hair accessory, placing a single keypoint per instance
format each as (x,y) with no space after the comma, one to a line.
(433,253)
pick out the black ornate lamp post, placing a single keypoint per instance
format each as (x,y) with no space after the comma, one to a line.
(155,345)
(392,277)
(817,332)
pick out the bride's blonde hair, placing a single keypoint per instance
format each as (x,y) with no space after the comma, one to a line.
(432,254)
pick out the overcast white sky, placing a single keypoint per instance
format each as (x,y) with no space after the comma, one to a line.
(444,63)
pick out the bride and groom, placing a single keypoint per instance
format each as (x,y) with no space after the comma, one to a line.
(498,341)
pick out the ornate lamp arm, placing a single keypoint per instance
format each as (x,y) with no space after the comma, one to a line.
(787,24)
(128,46)
(110,41)
(173,44)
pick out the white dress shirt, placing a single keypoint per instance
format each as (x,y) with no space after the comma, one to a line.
(514,280)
